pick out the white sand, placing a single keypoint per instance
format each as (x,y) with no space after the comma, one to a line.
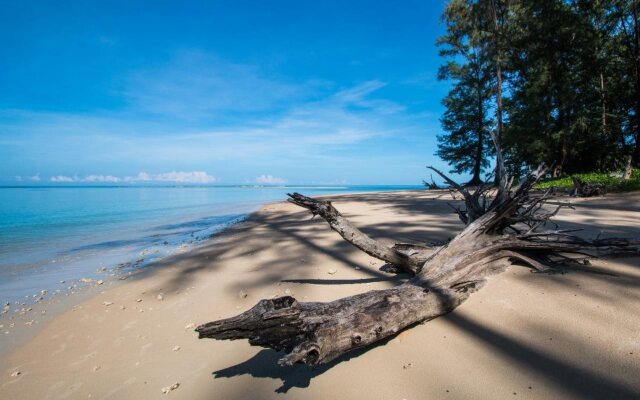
(534,336)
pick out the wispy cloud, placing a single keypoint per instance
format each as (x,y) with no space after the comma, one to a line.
(270,180)
(35,178)
(195,84)
(304,129)
(177,118)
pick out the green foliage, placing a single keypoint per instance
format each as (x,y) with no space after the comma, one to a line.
(611,180)
(571,73)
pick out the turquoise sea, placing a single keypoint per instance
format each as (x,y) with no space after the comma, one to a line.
(54,234)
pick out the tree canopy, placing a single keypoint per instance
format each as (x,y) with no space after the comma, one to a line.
(558,81)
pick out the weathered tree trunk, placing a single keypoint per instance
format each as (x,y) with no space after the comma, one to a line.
(628,169)
(312,333)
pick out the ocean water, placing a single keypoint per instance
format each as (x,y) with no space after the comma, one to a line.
(53,234)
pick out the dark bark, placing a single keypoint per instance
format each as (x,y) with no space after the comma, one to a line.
(477,167)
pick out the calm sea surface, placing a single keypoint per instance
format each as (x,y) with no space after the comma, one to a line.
(54,234)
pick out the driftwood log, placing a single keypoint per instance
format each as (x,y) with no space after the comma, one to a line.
(506,225)
(584,189)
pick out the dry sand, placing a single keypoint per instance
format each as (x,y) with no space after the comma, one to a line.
(524,335)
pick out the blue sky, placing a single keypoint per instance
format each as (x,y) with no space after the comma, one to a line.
(224,92)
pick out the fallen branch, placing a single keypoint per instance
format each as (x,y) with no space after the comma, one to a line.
(509,228)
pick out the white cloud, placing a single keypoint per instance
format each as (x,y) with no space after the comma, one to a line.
(18,178)
(173,176)
(61,178)
(180,177)
(101,178)
(269,179)
(35,178)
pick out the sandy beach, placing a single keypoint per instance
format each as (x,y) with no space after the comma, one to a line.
(525,335)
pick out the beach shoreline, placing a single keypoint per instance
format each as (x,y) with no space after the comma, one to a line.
(120,339)
(23,320)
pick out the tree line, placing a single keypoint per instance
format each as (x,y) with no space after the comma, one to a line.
(557,81)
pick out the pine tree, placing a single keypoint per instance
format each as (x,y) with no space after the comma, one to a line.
(467,143)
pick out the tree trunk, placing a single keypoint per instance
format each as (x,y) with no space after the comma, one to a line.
(477,167)
(603,99)
(636,61)
(628,169)
(498,44)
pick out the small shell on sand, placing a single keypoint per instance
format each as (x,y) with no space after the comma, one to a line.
(160,297)
(242,294)
(176,348)
(16,373)
(107,303)
(168,389)
(100,282)
(138,300)
(331,271)
(190,326)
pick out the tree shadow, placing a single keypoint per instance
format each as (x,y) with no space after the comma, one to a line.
(570,378)
(299,235)
(265,365)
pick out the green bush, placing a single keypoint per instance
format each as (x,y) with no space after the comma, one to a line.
(612,183)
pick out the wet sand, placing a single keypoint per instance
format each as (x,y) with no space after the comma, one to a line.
(524,335)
